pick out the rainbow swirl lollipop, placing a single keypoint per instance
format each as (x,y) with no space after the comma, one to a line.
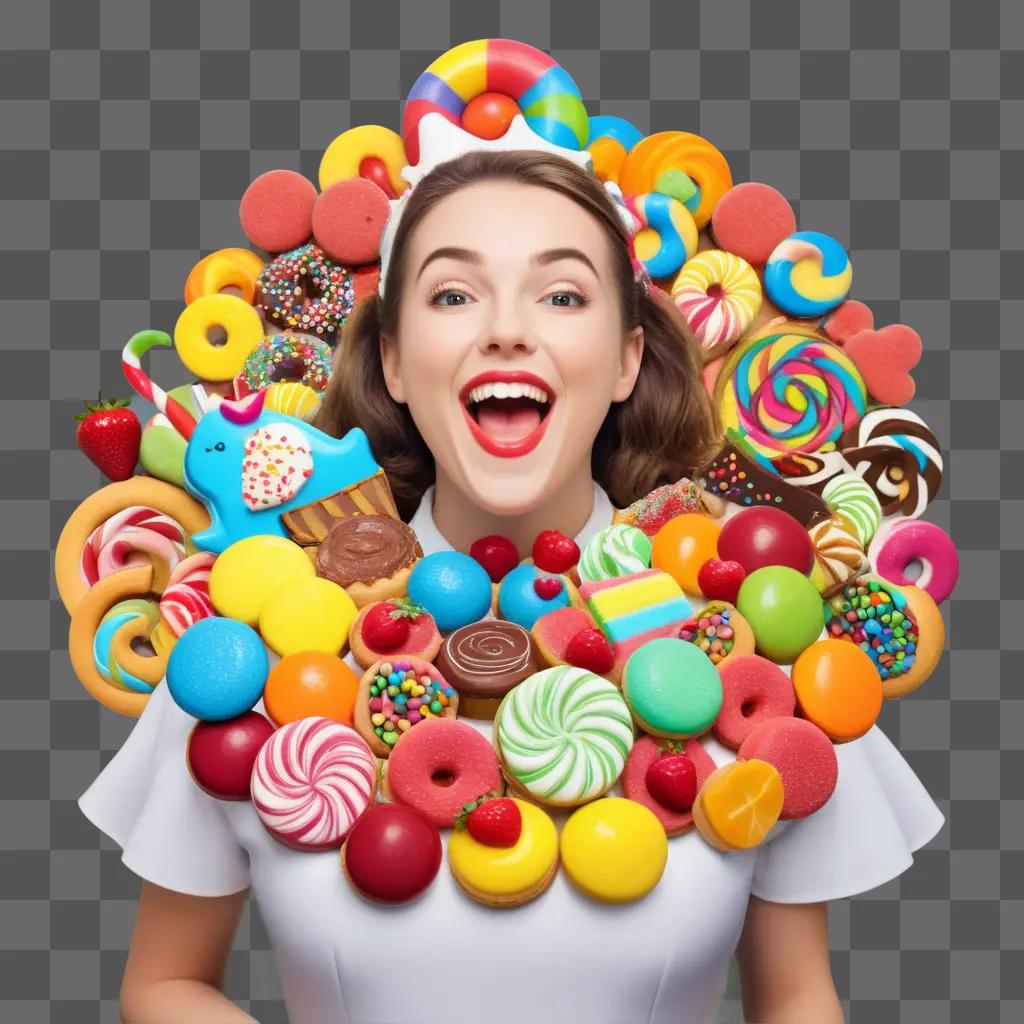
(482,84)
(789,389)
(808,274)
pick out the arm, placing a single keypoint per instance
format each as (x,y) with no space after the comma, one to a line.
(785,973)
(178,954)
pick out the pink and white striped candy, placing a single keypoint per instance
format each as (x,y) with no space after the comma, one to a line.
(135,535)
(312,779)
(186,598)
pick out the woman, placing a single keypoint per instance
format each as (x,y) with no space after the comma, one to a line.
(505,267)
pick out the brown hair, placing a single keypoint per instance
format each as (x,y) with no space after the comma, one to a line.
(666,429)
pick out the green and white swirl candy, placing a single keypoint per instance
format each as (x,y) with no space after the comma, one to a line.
(851,494)
(617,550)
(564,734)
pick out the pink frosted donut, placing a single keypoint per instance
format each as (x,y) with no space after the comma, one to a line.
(634,779)
(186,598)
(312,780)
(898,542)
(753,691)
(804,757)
(134,535)
(441,765)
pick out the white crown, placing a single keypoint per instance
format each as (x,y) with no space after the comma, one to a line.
(442,140)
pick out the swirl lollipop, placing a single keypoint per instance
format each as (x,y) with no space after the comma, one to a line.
(789,390)
(808,274)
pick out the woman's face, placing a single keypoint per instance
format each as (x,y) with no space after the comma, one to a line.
(510,344)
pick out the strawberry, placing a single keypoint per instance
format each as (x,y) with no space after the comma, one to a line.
(109,434)
(554,552)
(385,626)
(547,587)
(672,781)
(720,580)
(590,649)
(492,820)
(497,554)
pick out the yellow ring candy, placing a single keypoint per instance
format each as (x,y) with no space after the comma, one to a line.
(208,361)
(307,615)
(614,850)
(343,158)
(225,268)
(247,573)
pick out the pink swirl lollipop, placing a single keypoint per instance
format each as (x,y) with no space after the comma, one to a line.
(133,536)
(312,780)
(186,598)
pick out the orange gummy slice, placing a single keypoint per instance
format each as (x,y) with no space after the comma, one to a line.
(742,802)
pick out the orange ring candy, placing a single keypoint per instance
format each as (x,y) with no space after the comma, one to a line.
(85,620)
(225,268)
(837,688)
(608,155)
(366,151)
(650,164)
(99,507)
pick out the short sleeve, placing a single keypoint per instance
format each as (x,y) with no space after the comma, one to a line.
(170,831)
(865,835)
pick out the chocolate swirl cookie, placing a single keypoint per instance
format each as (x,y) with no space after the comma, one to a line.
(364,549)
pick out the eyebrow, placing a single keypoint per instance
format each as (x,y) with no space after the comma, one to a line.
(455,252)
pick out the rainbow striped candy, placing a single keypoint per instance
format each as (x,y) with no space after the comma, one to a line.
(808,274)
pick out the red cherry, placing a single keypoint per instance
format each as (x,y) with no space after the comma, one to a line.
(720,580)
(554,552)
(547,587)
(672,781)
(590,649)
(497,822)
(383,631)
(497,554)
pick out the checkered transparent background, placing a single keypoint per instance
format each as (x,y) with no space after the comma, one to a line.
(128,131)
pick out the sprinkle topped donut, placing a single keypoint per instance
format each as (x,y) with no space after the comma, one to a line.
(284,357)
(305,290)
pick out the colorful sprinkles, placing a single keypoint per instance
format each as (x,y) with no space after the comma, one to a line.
(399,699)
(283,357)
(286,281)
(877,619)
(712,633)
(733,484)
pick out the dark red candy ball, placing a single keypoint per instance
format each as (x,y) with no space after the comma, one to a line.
(497,554)
(758,537)
(392,853)
(221,754)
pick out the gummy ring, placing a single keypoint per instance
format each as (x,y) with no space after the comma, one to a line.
(366,151)
(149,669)
(679,164)
(85,623)
(200,355)
(112,652)
(100,506)
(225,268)
(543,90)
(668,234)
(609,140)
(808,274)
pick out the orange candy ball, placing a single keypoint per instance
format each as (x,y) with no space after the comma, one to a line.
(838,689)
(310,683)
(683,545)
(489,115)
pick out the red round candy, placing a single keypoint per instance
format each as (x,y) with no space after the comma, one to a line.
(374,169)
(348,220)
(757,537)
(365,281)
(489,115)
(221,754)
(276,210)
(750,220)
(497,554)
(392,853)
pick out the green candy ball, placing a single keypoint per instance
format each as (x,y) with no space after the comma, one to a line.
(162,454)
(784,610)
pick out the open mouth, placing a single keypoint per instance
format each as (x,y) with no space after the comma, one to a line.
(507,412)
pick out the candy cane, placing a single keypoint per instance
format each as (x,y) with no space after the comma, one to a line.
(131,363)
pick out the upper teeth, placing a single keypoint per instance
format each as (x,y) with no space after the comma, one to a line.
(499,389)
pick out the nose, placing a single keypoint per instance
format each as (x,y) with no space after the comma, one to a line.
(507,333)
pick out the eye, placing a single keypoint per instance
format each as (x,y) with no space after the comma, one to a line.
(565,297)
(452,293)
(218,447)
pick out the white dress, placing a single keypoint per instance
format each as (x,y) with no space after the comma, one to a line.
(445,959)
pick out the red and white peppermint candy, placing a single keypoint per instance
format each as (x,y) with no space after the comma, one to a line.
(186,598)
(312,779)
(278,461)
(134,536)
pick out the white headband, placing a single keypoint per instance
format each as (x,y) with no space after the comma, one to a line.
(442,140)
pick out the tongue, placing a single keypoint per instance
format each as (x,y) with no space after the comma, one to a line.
(508,421)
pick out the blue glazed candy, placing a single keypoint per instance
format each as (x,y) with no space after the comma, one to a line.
(808,274)
(217,669)
(519,602)
(453,587)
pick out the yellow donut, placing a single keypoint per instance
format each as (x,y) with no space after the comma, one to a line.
(196,350)
(344,156)
(614,850)
(507,875)
(247,573)
(225,268)
(307,615)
